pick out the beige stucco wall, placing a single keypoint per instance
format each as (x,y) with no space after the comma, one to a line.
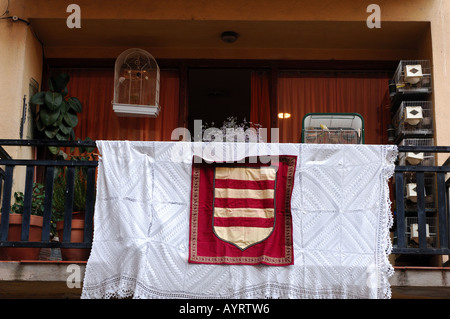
(21,60)
(251,10)
(440,37)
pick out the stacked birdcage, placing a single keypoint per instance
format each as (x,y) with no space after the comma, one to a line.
(413,76)
(414,118)
(412,231)
(412,125)
(416,158)
(411,191)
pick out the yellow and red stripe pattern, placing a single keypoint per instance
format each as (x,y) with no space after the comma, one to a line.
(244,204)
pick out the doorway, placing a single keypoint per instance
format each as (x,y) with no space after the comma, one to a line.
(217,94)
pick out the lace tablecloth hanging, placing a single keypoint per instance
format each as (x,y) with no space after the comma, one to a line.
(340,218)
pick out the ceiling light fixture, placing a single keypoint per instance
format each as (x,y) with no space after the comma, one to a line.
(229,36)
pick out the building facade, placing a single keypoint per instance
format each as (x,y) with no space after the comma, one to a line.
(284,57)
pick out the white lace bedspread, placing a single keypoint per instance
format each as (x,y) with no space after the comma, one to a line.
(340,213)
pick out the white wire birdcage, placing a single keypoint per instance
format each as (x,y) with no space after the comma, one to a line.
(136,84)
(333,128)
(414,118)
(412,231)
(416,158)
(413,76)
(411,191)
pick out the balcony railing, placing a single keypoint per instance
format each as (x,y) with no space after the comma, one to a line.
(422,205)
(421,222)
(47,168)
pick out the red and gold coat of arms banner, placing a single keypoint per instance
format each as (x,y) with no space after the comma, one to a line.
(241,212)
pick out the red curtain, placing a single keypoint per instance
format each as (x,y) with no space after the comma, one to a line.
(260,100)
(302,93)
(298,93)
(95,89)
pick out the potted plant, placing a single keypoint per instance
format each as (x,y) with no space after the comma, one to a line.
(78,208)
(55,118)
(55,112)
(15,225)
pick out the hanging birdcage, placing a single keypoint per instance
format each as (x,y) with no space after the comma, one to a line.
(413,76)
(412,231)
(414,118)
(333,128)
(411,191)
(136,84)
(416,158)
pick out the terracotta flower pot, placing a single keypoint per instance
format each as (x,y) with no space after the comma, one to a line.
(73,254)
(14,233)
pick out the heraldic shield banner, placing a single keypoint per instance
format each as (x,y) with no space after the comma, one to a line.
(240,212)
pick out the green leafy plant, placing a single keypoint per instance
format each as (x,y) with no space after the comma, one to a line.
(37,204)
(59,193)
(37,201)
(56,111)
(80,185)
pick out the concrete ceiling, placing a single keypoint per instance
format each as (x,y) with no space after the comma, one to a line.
(178,35)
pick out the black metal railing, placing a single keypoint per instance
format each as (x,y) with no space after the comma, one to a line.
(47,168)
(421,205)
(428,233)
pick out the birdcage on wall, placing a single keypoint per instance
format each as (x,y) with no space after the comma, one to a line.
(414,118)
(136,84)
(333,128)
(416,158)
(411,191)
(413,76)
(412,231)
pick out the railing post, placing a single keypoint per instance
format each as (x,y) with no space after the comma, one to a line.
(6,203)
(27,203)
(2,179)
(447,211)
(442,210)
(89,211)
(49,178)
(400,207)
(68,208)
(421,216)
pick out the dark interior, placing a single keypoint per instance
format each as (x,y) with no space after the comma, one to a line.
(216,94)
